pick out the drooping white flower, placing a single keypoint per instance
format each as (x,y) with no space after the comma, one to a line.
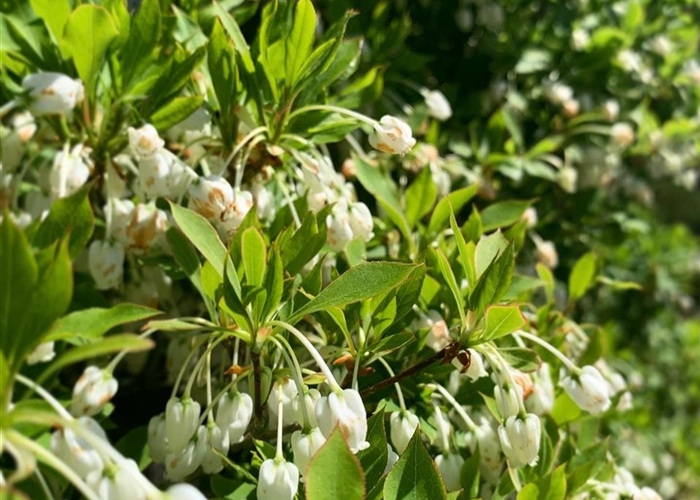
(288,394)
(588,389)
(217,443)
(70,171)
(181,421)
(264,201)
(508,399)
(361,222)
(338,228)
(308,399)
(444,430)
(392,136)
(146,228)
(106,263)
(145,141)
(233,415)
(92,391)
(520,439)
(184,491)
(75,451)
(611,109)
(489,451)
(234,213)
(157,438)
(209,196)
(52,93)
(438,105)
(346,411)
(541,399)
(547,254)
(121,483)
(403,425)
(42,353)
(622,134)
(180,464)
(449,467)
(646,493)
(277,480)
(305,446)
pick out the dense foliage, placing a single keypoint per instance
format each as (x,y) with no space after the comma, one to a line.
(349,249)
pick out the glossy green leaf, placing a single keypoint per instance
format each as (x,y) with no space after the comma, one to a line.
(582,276)
(521,358)
(334,472)
(502,320)
(88,34)
(487,249)
(298,45)
(304,244)
(448,275)
(202,235)
(414,476)
(95,322)
(175,111)
(420,197)
(456,199)
(140,48)
(503,214)
(54,13)
(494,281)
(374,458)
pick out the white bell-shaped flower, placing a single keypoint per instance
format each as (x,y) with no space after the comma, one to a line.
(288,394)
(490,463)
(361,221)
(588,389)
(52,93)
(157,438)
(106,263)
(121,483)
(181,421)
(541,400)
(233,414)
(94,389)
(180,464)
(209,196)
(278,480)
(42,353)
(391,458)
(392,136)
(119,213)
(508,399)
(234,213)
(547,254)
(520,439)
(145,141)
(69,172)
(403,425)
(183,491)
(339,231)
(439,334)
(308,399)
(449,467)
(217,443)
(75,451)
(646,493)
(155,175)
(622,134)
(438,105)
(305,446)
(346,411)
(146,228)
(530,217)
(476,368)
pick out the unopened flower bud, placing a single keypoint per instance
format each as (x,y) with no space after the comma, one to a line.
(180,464)
(403,426)
(75,451)
(217,444)
(438,105)
(547,254)
(52,93)
(278,480)
(145,141)
(392,136)
(157,438)
(346,411)
(622,134)
(449,467)
(106,263)
(181,421)
(92,391)
(520,439)
(508,399)
(588,389)
(42,353)
(305,446)
(233,415)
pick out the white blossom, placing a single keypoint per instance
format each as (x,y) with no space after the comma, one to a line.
(233,414)
(106,263)
(288,394)
(181,421)
(157,438)
(42,353)
(360,219)
(541,399)
(392,136)
(217,443)
(146,228)
(489,451)
(449,467)
(70,171)
(403,425)
(588,389)
(547,254)
(305,445)
(438,105)
(209,196)
(145,141)
(234,213)
(346,411)
(622,134)
(52,93)
(183,491)
(520,439)
(277,480)
(508,399)
(75,451)
(391,458)
(121,484)
(184,461)
(94,389)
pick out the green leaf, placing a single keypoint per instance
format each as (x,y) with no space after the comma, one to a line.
(71,215)
(175,111)
(54,13)
(334,472)
(547,278)
(473,229)
(254,254)
(494,282)
(448,275)
(88,34)
(107,345)
(550,487)
(274,282)
(456,199)
(521,358)
(374,458)
(304,244)
(414,476)
(503,214)
(619,285)
(582,276)
(487,249)
(202,235)
(144,33)
(185,255)
(420,197)
(95,322)
(359,283)
(502,320)
(298,45)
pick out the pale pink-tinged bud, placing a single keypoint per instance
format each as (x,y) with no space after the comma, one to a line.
(209,196)
(449,467)
(157,438)
(588,389)
(277,480)
(392,136)
(403,425)
(305,446)
(52,93)
(346,411)
(180,464)
(233,415)
(520,439)
(145,141)
(94,389)
(106,263)
(438,105)
(181,422)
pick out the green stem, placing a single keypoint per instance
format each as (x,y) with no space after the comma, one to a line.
(200,362)
(293,364)
(253,133)
(458,407)
(397,386)
(534,338)
(184,366)
(55,404)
